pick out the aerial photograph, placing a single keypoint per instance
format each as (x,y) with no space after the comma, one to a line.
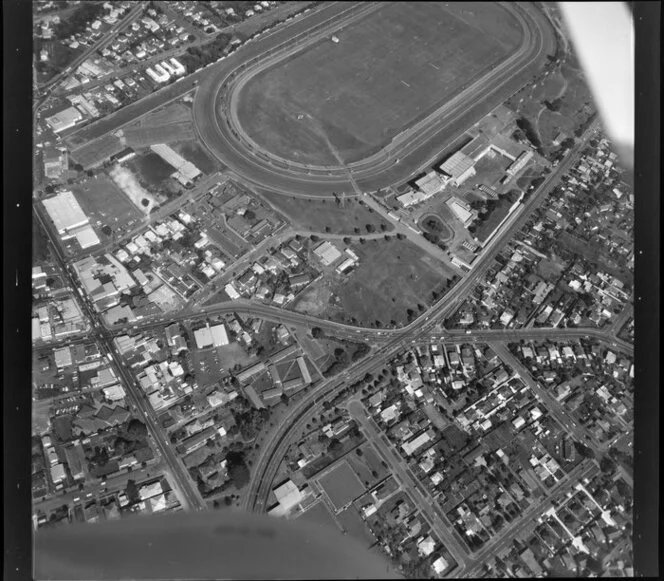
(330,290)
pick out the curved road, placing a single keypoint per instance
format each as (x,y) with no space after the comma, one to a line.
(415,148)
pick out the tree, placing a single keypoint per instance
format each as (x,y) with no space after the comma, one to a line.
(334,446)
(316,332)
(137,428)
(132,491)
(238,471)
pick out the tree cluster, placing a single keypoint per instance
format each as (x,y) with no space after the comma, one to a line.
(77,21)
(200,56)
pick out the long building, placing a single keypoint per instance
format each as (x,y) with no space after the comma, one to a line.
(66,213)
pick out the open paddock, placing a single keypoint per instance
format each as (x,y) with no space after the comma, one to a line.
(392,276)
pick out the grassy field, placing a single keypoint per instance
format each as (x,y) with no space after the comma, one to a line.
(567,85)
(435,225)
(144,136)
(389,69)
(151,168)
(392,276)
(98,151)
(321,215)
(193,152)
(103,201)
(169,114)
(341,484)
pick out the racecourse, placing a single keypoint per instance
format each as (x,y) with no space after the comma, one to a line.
(391,68)
(406,154)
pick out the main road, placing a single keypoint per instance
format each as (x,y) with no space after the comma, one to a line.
(414,148)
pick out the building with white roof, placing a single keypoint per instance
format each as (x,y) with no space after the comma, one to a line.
(431,183)
(64,119)
(415,443)
(459,167)
(219,335)
(327,252)
(203,337)
(114,393)
(66,214)
(462,210)
(288,496)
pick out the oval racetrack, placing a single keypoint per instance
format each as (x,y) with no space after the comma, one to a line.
(416,147)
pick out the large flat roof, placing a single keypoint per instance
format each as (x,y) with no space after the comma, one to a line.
(457,165)
(65,212)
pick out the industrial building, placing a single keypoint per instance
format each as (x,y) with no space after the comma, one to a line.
(70,220)
(64,119)
(431,184)
(327,252)
(186,172)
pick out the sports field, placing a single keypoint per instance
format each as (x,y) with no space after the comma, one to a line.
(390,68)
(342,485)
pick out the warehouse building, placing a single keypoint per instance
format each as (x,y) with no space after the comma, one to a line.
(70,220)
(64,119)
(431,184)
(66,213)
(459,167)
(327,252)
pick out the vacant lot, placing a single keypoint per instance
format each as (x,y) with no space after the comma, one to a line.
(342,485)
(104,202)
(389,69)
(393,277)
(321,215)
